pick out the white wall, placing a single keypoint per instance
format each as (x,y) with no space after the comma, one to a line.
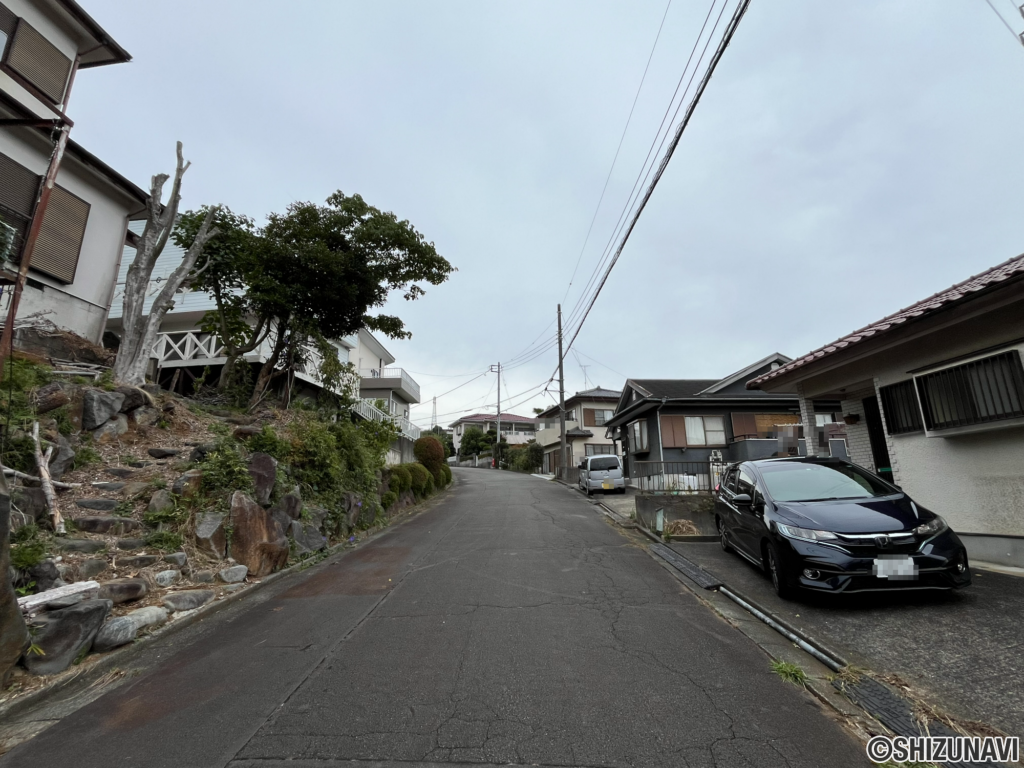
(975,481)
(82,306)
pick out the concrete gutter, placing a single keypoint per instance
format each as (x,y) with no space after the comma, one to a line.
(114,659)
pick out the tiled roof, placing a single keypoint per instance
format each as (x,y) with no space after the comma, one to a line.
(600,392)
(577,432)
(958,292)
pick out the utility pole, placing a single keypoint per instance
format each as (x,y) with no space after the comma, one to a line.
(497,442)
(561,397)
(433,416)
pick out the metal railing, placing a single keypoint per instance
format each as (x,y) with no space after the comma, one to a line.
(368,410)
(676,477)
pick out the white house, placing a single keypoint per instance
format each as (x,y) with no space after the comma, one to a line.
(43,44)
(517,430)
(586,414)
(933,398)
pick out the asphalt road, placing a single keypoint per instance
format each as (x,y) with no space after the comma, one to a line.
(510,624)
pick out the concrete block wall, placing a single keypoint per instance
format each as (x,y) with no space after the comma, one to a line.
(857,441)
(890,444)
(809,422)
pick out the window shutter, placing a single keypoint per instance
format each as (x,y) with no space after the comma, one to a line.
(8,22)
(589,419)
(60,236)
(744,425)
(673,431)
(39,61)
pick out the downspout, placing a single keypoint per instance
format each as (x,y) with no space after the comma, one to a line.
(661,447)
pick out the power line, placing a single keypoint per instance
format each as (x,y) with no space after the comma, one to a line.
(1018,38)
(618,149)
(642,177)
(715,59)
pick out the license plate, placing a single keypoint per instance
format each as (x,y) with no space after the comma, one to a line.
(895,567)
(606,485)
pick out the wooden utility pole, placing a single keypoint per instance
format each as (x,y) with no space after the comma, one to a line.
(497,442)
(561,398)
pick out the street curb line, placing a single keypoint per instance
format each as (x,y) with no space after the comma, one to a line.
(136,647)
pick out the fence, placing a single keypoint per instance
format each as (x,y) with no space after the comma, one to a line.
(676,477)
(569,475)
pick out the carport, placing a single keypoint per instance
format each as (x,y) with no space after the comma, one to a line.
(961,651)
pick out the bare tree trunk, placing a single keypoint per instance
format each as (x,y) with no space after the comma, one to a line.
(267,371)
(139,334)
(14,636)
(43,462)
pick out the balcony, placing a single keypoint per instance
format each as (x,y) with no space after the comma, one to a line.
(394,379)
(549,432)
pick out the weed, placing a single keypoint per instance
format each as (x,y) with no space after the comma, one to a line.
(126,458)
(84,456)
(267,441)
(34,650)
(173,517)
(160,484)
(25,533)
(791,673)
(26,590)
(848,675)
(62,416)
(27,554)
(81,381)
(163,423)
(81,655)
(106,380)
(165,541)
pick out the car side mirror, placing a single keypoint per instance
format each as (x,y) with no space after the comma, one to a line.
(741,499)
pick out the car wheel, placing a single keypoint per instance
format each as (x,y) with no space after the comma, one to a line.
(774,567)
(723,537)
(589,492)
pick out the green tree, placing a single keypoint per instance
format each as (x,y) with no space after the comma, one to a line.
(473,441)
(313,274)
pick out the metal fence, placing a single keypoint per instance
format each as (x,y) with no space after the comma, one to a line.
(676,477)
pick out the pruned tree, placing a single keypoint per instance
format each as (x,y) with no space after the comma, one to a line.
(139,331)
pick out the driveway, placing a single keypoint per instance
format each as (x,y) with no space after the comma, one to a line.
(962,650)
(509,625)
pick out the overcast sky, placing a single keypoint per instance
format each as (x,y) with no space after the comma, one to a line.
(847,159)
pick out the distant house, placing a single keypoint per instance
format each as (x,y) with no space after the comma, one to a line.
(75,261)
(516,429)
(678,433)
(586,414)
(933,396)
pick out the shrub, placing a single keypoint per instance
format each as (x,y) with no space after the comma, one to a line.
(420,476)
(27,554)
(175,516)
(84,456)
(165,541)
(430,487)
(314,457)
(401,478)
(430,453)
(389,499)
(224,469)
(267,441)
(446,471)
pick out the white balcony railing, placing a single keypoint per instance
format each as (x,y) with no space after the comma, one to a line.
(368,410)
(183,346)
(408,382)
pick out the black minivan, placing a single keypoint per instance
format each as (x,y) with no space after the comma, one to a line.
(827,525)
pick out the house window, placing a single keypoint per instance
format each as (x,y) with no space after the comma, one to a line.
(705,430)
(596,417)
(599,449)
(899,404)
(979,392)
(18,190)
(638,436)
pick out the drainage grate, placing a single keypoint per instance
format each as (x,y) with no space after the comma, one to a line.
(691,570)
(895,712)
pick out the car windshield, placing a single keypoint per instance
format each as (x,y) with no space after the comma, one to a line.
(604,463)
(805,481)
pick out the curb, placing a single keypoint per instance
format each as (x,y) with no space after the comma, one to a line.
(112,659)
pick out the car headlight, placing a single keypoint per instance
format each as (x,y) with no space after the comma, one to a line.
(933,526)
(792,532)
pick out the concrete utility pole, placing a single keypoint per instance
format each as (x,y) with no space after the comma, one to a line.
(497,441)
(561,396)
